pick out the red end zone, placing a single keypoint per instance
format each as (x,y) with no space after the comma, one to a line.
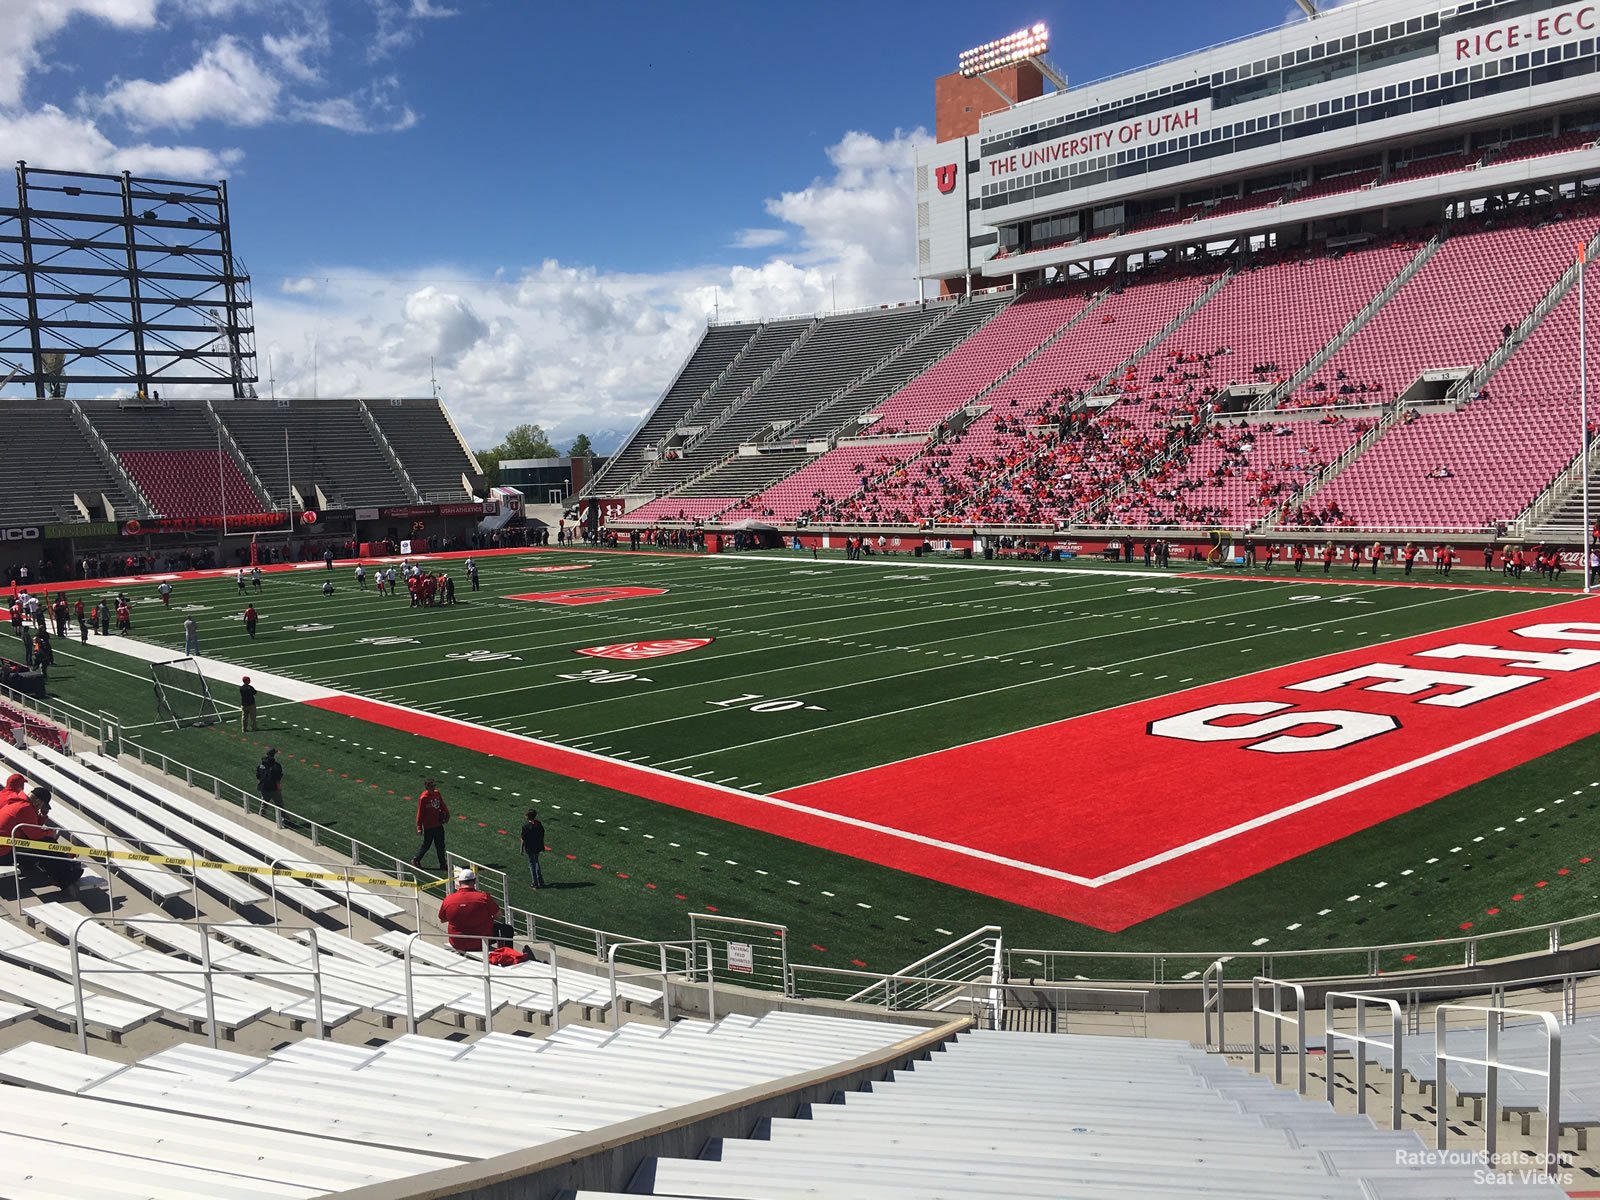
(1117,816)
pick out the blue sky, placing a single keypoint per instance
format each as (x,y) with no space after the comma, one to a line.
(547,198)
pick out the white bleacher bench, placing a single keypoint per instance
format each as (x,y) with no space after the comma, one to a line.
(177,999)
(262,847)
(33,1167)
(233,888)
(531,977)
(155,881)
(197,1142)
(348,983)
(506,989)
(292,995)
(111,1015)
(114,947)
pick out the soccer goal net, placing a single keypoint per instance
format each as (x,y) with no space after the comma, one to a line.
(182,695)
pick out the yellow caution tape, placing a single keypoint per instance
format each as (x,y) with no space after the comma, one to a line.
(197,864)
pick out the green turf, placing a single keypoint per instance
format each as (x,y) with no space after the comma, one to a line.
(894,664)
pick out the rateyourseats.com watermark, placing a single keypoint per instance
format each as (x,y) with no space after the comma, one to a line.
(1506,1168)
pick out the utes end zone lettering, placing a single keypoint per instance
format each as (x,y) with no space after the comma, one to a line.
(1159,802)
(593,595)
(634,651)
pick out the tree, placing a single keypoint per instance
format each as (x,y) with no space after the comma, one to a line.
(523,441)
(527,441)
(581,447)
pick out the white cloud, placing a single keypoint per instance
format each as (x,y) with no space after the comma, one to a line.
(69,143)
(372,109)
(29,24)
(296,53)
(226,84)
(758,239)
(397,24)
(575,348)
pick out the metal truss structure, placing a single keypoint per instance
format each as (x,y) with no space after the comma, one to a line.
(121,280)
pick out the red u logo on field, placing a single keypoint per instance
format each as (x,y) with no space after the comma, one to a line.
(591,595)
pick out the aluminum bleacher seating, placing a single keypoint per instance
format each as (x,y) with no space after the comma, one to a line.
(172,451)
(769,344)
(719,345)
(324,443)
(316,1116)
(47,461)
(428,445)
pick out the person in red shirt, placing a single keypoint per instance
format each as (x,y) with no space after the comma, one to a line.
(468,915)
(1327,557)
(1377,556)
(432,816)
(28,817)
(1299,553)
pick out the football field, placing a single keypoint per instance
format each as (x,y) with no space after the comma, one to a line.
(882,753)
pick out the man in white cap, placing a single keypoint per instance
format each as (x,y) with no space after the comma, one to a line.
(468,914)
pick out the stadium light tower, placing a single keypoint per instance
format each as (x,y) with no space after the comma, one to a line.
(1026,45)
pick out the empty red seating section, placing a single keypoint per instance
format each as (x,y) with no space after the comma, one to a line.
(977,362)
(1453,471)
(681,508)
(817,490)
(1335,185)
(1427,168)
(1451,313)
(187,483)
(1276,316)
(1542,146)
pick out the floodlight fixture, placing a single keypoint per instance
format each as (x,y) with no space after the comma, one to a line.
(1003,52)
(1309,7)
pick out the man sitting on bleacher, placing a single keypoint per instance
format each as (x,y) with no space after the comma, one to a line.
(27,817)
(469,915)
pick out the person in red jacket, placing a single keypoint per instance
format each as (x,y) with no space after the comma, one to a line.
(28,817)
(432,815)
(469,915)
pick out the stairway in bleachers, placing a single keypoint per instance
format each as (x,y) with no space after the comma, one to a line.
(1042,1115)
(317,442)
(46,460)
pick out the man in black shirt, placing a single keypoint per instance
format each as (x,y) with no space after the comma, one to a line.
(269,777)
(533,845)
(247,707)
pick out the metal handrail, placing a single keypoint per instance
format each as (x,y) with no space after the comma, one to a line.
(1361,1040)
(691,967)
(1214,993)
(1493,1019)
(408,962)
(205,970)
(777,931)
(1279,1019)
(18,853)
(318,833)
(981,995)
(979,939)
(1470,945)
